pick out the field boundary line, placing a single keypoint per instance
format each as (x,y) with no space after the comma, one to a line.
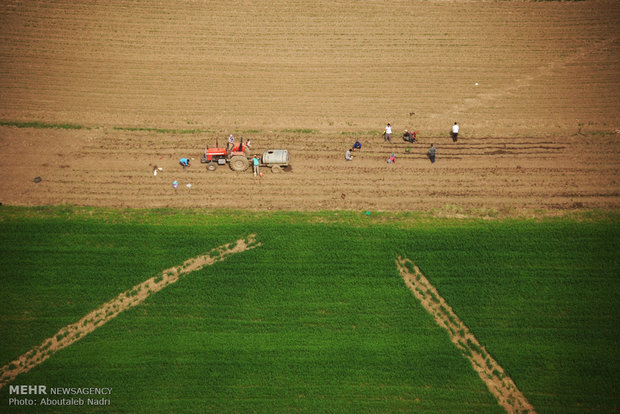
(109,310)
(492,374)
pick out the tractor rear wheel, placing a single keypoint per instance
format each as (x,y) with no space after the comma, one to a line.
(211,166)
(239,163)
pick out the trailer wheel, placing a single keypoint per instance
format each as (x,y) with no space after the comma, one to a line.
(211,166)
(239,163)
(276,169)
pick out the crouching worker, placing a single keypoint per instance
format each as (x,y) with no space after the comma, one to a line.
(357,145)
(184,162)
(392,159)
(348,156)
(410,136)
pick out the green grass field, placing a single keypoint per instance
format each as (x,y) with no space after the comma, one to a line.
(317,318)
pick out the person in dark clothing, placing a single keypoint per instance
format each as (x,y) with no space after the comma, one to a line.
(431,153)
(357,145)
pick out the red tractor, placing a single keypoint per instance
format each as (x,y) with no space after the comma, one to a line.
(237,158)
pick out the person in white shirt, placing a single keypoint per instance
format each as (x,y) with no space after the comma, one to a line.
(348,156)
(455,132)
(387,134)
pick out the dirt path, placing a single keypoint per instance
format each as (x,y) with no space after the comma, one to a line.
(126,300)
(499,384)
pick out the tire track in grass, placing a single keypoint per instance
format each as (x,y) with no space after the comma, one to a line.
(499,384)
(109,310)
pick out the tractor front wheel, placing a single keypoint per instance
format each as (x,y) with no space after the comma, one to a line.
(211,166)
(239,163)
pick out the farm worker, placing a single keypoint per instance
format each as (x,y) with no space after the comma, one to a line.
(455,132)
(248,144)
(255,164)
(387,134)
(392,159)
(431,153)
(357,145)
(409,136)
(175,184)
(231,143)
(348,156)
(184,162)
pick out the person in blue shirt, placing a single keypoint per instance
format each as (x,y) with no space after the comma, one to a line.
(184,162)
(357,145)
(255,163)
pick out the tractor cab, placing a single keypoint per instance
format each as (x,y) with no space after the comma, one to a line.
(239,149)
(214,154)
(237,158)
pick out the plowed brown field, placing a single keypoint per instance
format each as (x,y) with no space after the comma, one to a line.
(535,87)
(115,168)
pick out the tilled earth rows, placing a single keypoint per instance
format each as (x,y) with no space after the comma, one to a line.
(105,167)
(499,68)
(545,71)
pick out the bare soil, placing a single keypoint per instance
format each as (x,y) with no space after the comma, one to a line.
(534,85)
(104,167)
